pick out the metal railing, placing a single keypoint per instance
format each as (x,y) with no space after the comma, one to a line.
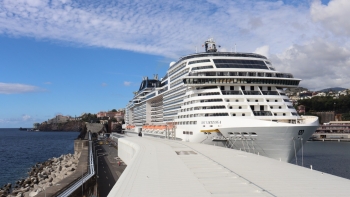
(85,177)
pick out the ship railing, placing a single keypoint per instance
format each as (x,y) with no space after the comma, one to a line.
(251,92)
(231,92)
(270,92)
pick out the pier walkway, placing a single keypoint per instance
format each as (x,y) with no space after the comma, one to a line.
(167,168)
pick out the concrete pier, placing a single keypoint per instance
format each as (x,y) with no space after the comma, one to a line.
(160,167)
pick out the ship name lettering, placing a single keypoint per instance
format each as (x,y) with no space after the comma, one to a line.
(212,122)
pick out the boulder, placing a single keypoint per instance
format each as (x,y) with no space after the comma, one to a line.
(32,194)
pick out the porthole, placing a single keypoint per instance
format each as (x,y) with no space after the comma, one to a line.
(243,114)
(240,107)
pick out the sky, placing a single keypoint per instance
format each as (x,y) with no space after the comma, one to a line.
(71,57)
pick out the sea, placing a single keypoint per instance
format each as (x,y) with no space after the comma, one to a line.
(20,150)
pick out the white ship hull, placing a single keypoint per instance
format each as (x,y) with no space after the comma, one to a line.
(275,140)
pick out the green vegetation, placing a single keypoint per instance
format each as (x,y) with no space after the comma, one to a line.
(328,103)
(89,117)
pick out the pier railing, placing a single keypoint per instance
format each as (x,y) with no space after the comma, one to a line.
(69,189)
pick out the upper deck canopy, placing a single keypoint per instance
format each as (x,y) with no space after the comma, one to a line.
(221,54)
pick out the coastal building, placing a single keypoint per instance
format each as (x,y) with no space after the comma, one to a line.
(118,115)
(333,131)
(334,127)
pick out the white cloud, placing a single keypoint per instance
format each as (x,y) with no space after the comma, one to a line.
(104,84)
(26,117)
(127,83)
(334,16)
(320,64)
(23,120)
(264,50)
(16,88)
(48,83)
(175,28)
(169,28)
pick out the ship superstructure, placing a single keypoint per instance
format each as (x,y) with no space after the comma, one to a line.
(229,99)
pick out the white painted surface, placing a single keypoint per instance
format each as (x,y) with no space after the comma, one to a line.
(156,170)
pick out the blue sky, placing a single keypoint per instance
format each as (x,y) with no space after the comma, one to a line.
(69,57)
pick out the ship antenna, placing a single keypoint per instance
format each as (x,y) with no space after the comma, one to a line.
(235,48)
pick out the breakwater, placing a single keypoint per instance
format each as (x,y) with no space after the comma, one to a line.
(43,175)
(20,150)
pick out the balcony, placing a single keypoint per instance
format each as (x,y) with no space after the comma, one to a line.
(231,92)
(262,113)
(251,92)
(270,92)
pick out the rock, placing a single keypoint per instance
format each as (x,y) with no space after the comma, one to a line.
(32,194)
(50,179)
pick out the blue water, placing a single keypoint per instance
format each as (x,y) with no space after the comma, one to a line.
(20,150)
(329,157)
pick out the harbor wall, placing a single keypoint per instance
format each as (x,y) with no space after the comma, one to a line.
(127,150)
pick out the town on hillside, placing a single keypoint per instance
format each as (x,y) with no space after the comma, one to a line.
(112,120)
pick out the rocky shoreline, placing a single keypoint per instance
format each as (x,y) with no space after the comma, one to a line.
(41,176)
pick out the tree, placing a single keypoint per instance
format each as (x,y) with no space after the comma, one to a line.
(113,110)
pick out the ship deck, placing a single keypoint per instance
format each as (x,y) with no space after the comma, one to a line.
(161,167)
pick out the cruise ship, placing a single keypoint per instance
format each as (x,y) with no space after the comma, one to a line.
(230,99)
